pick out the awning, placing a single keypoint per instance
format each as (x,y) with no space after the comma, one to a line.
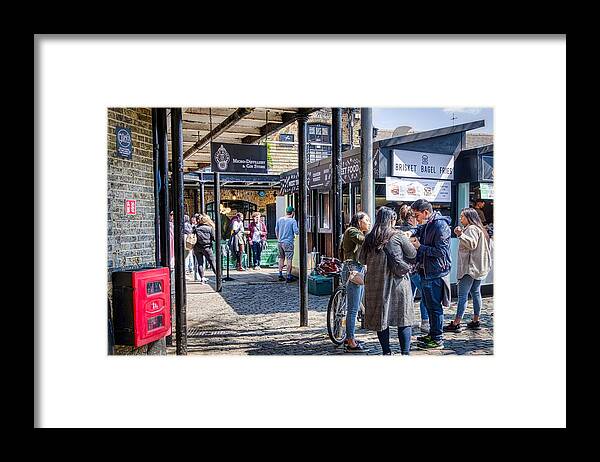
(229,125)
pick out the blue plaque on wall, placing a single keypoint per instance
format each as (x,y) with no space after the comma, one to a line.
(124,142)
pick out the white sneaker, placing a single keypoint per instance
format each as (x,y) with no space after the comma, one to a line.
(424,327)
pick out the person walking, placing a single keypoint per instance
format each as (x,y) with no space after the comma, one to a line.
(285,230)
(188,232)
(352,241)
(258,238)
(432,242)
(474,258)
(408,224)
(479,205)
(237,241)
(205,232)
(387,253)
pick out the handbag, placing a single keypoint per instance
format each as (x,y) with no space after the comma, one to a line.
(357,278)
(190,241)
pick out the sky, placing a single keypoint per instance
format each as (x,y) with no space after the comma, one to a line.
(422,119)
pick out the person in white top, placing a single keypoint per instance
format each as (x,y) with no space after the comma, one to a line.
(474,261)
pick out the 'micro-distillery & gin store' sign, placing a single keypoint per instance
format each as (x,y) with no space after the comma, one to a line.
(238,158)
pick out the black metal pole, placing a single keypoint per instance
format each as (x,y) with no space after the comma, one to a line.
(336,184)
(217,209)
(202,201)
(303,209)
(180,296)
(163,177)
(156,172)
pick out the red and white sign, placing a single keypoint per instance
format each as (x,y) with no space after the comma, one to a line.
(130,207)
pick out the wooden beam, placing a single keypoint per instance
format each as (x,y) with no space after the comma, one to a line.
(286,119)
(228,122)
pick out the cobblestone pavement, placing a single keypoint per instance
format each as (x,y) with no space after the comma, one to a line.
(257,315)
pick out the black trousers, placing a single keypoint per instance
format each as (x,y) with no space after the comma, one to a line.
(205,253)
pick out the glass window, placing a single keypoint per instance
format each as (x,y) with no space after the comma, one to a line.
(324,210)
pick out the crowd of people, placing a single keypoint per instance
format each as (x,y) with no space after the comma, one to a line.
(399,255)
(199,237)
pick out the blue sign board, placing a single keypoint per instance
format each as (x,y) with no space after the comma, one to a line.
(124,142)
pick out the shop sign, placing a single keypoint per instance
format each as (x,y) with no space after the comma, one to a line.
(409,190)
(414,164)
(486,190)
(350,169)
(319,177)
(289,184)
(238,158)
(124,143)
(130,207)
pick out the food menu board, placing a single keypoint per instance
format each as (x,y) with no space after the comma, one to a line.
(486,190)
(409,190)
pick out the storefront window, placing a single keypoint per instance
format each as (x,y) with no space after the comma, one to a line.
(487,166)
(324,211)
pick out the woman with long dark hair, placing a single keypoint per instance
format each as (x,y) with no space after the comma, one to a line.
(474,259)
(388,255)
(351,244)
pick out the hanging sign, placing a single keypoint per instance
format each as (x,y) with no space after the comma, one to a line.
(319,177)
(289,183)
(124,143)
(238,158)
(414,164)
(409,190)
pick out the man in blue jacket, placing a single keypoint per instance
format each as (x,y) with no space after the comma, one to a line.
(432,241)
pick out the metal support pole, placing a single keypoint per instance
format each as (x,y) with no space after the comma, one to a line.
(163,178)
(336,179)
(180,296)
(367,182)
(303,209)
(156,172)
(217,209)
(202,200)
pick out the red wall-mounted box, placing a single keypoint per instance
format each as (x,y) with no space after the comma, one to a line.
(141,306)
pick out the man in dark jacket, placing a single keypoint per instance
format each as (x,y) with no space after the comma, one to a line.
(432,241)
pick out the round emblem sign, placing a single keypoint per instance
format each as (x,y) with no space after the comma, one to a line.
(124,138)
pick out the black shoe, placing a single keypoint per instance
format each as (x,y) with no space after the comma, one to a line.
(357,348)
(475,325)
(424,338)
(452,327)
(389,353)
(281,278)
(292,279)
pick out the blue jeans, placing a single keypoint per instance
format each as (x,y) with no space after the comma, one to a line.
(256,251)
(354,294)
(404,333)
(465,286)
(432,292)
(415,282)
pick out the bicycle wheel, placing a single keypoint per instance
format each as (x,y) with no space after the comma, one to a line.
(336,316)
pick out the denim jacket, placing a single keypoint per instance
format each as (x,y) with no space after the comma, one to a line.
(434,253)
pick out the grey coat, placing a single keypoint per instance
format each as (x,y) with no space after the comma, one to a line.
(388,298)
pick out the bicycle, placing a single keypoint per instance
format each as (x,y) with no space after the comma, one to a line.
(337,306)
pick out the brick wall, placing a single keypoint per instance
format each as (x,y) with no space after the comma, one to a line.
(130,237)
(474,140)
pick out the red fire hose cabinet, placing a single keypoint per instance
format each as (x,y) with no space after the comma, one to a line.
(141,306)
